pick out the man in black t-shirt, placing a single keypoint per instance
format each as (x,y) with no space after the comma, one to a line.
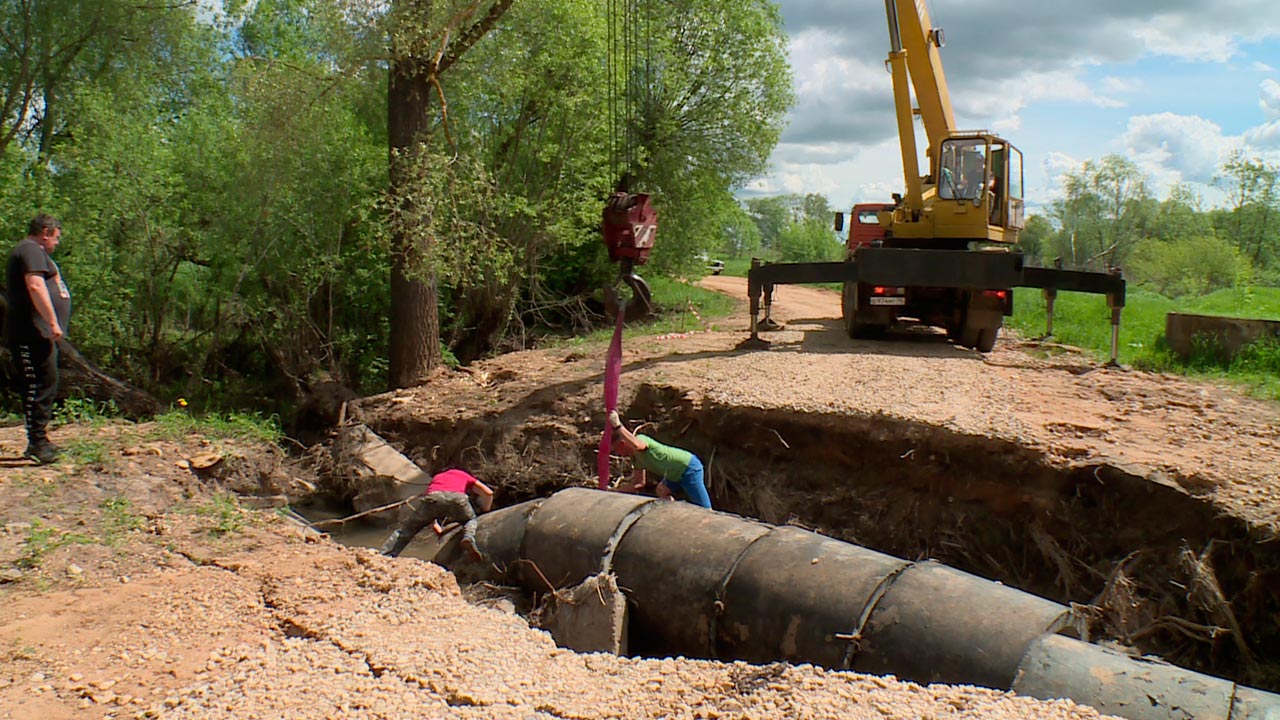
(39,308)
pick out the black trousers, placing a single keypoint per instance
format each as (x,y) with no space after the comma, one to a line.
(37,361)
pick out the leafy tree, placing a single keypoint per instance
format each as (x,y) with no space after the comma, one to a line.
(1186,266)
(810,237)
(534,118)
(772,215)
(706,116)
(1035,236)
(716,89)
(1104,213)
(50,48)
(809,242)
(741,234)
(1253,190)
(1181,216)
(247,262)
(815,208)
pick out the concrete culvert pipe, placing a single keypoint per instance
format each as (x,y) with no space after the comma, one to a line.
(707,584)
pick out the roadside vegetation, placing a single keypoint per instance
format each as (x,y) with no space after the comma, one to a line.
(1084,321)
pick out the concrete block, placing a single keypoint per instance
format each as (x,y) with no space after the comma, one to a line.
(590,617)
(1225,335)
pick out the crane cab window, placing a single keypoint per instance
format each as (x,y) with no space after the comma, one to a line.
(963,169)
(869,217)
(1015,173)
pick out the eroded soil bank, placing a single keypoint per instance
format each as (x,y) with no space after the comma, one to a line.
(134,587)
(1147,564)
(1149,501)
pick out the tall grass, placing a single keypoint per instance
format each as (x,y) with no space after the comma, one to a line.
(1085,321)
(176,424)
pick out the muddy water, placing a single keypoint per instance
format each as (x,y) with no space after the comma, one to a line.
(358,534)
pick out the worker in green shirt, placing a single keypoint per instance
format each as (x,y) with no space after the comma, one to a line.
(676,468)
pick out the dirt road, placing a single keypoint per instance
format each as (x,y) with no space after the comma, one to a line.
(1207,439)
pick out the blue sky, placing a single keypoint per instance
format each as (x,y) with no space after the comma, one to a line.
(1175,85)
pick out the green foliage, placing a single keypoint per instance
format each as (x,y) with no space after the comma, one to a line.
(85,411)
(84,450)
(447,357)
(212,202)
(1084,321)
(742,238)
(1181,217)
(1191,266)
(224,512)
(1262,303)
(1253,191)
(679,307)
(177,424)
(1035,236)
(772,215)
(737,267)
(686,307)
(1104,213)
(809,241)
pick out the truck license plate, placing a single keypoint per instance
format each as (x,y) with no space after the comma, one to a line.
(888,301)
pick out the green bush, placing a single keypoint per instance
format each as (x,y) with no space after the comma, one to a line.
(809,242)
(1189,267)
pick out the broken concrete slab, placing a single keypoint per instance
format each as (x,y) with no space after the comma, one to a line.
(589,617)
(380,474)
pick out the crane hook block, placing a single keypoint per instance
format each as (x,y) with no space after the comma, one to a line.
(630,227)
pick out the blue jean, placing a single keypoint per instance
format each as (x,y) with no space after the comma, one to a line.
(695,491)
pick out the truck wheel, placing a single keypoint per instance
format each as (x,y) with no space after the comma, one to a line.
(866,331)
(986,339)
(980,338)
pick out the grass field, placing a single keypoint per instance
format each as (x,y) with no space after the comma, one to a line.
(1084,321)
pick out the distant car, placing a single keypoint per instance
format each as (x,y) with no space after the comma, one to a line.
(715,267)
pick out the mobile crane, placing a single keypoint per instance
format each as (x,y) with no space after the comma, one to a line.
(944,252)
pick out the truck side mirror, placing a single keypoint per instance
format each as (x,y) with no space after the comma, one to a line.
(839,221)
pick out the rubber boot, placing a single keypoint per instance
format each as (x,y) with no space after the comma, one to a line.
(395,544)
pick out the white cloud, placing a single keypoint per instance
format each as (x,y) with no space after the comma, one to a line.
(1121,86)
(1263,139)
(1087,57)
(1055,167)
(1176,148)
(1270,100)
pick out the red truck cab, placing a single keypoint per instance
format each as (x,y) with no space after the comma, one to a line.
(864,224)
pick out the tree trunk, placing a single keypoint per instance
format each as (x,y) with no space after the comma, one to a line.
(415,320)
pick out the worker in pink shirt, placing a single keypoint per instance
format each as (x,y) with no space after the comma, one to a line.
(446,498)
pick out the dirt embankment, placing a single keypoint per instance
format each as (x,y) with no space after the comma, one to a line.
(1151,500)
(132,589)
